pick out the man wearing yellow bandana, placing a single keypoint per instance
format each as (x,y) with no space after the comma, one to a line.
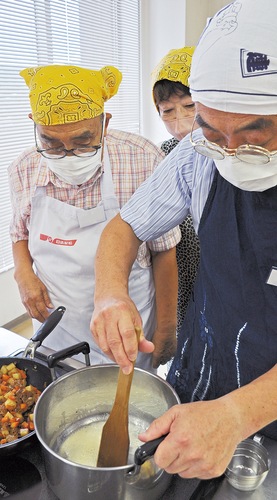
(64,191)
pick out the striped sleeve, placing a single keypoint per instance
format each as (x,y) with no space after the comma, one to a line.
(180,185)
(163,200)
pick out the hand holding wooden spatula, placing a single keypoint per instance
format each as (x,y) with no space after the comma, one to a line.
(114,445)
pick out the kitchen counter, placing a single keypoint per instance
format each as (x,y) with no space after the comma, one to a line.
(220,489)
(10,342)
(185,489)
(193,489)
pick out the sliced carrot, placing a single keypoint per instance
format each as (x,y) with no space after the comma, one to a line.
(14,425)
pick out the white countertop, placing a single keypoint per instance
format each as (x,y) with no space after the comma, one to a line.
(10,342)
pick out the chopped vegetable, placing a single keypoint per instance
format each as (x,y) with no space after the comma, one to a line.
(17,401)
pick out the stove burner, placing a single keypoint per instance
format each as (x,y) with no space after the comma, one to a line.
(19,479)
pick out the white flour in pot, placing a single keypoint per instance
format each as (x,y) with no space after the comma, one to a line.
(82,445)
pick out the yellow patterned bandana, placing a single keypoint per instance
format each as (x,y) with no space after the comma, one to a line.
(175,66)
(67,94)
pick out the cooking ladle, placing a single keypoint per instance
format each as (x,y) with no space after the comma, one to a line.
(114,444)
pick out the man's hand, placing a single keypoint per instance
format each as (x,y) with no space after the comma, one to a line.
(165,343)
(113,328)
(34,295)
(202,436)
(201,441)
(33,292)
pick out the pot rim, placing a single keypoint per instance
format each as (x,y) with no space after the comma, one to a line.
(129,467)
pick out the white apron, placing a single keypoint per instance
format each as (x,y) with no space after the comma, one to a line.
(62,241)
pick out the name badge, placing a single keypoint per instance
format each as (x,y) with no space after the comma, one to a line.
(272,279)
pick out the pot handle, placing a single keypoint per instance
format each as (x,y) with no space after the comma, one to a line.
(147,450)
(68,352)
(44,330)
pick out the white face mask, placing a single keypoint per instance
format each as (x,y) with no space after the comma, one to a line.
(247,176)
(75,170)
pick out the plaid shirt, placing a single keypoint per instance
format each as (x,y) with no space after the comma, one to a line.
(132,158)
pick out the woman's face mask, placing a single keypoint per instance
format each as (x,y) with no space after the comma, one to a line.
(247,176)
(177,113)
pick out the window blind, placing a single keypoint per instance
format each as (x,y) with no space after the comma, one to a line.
(89,33)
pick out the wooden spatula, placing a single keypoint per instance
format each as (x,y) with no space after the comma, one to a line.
(114,445)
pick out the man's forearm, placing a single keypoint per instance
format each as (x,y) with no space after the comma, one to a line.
(255,403)
(166,285)
(23,261)
(115,315)
(115,256)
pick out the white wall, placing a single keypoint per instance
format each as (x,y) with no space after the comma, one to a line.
(163,28)
(166,24)
(197,12)
(10,303)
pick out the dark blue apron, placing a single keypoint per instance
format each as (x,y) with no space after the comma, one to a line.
(229,335)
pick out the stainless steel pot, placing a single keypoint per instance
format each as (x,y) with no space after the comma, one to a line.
(80,400)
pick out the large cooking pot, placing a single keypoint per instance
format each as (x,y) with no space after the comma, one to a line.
(38,374)
(68,420)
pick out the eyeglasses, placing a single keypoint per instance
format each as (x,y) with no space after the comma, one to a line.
(246,153)
(57,153)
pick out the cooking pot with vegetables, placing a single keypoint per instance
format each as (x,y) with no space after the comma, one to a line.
(69,417)
(37,376)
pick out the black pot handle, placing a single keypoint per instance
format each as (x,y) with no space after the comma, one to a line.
(68,352)
(49,324)
(44,330)
(147,450)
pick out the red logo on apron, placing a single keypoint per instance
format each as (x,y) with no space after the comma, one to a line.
(57,241)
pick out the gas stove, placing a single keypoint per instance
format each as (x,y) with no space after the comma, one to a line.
(23,477)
